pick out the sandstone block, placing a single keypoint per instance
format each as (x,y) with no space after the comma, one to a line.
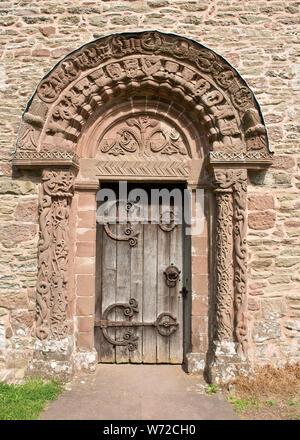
(293,325)
(286,262)
(41,53)
(253,304)
(97,21)
(265,330)
(27,211)
(283,162)
(47,30)
(125,20)
(71,20)
(8,333)
(273,308)
(8,186)
(85,341)
(22,319)
(281,178)
(261,220)
(17,232)
(260,202)
(14,301)
(279,280)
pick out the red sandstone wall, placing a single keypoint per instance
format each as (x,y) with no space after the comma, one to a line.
(259,39)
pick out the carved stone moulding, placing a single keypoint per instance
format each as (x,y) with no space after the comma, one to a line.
(42,159)
(249,159)
(150,63)
(143,168)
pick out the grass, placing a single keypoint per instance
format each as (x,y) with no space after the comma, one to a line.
(27,401)
(270,394)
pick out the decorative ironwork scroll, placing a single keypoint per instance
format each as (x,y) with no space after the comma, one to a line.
(53,247)
(166,324)
(129,234)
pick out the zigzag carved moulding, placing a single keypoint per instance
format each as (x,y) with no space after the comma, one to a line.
(149,168)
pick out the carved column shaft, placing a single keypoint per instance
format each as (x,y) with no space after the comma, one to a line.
(231,256)
(240,260)
(224,272)
(57,192)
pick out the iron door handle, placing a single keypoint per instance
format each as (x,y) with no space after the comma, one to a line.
(184,292)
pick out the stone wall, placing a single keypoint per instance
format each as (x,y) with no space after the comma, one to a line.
(259,39)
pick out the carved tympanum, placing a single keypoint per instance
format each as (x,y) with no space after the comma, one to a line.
(53,247)
(142,135)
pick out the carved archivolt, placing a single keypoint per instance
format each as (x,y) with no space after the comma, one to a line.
(125,65)
(53,247)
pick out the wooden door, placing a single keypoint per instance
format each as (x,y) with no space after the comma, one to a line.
(139,310)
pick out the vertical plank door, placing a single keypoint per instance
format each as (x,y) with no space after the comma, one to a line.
(125,272)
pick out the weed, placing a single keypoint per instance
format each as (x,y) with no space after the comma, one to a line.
(242,404)
(212,389)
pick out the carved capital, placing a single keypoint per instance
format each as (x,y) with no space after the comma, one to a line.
(53,246)
(224,179)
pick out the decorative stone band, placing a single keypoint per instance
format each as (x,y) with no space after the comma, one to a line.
(251,159)
(230,187)
(145,168)
(53,247)
(25,159)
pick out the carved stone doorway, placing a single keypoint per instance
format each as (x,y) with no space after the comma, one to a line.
(141,283)
(148,107)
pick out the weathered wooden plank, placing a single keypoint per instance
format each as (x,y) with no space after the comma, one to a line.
(176,306)
(163,261)
(136,291)
(122,291)
(149,292)
(109,274)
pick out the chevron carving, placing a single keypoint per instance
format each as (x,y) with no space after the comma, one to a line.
(151,168)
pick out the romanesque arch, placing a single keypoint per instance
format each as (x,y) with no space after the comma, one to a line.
(134,81)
